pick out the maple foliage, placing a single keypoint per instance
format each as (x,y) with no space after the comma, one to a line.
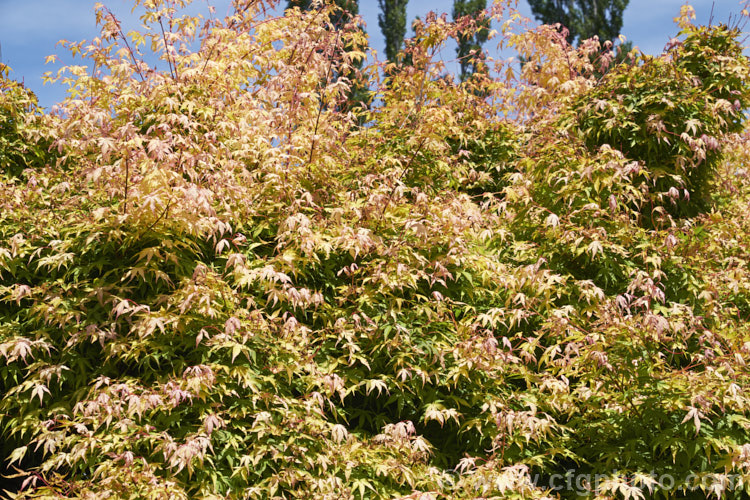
(217,281)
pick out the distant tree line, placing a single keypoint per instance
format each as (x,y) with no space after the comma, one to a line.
(582,19)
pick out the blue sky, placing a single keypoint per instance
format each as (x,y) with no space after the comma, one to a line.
(30,29)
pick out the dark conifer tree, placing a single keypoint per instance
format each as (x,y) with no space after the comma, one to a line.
(582,18)
(392,22)
(302,4)
(348,9)
(471,43)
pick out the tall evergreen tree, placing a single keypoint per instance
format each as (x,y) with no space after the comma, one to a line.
(468,43)
(348,9)
(392,22)
(302,4)
(582,18)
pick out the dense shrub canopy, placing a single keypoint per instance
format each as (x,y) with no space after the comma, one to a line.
(19,148)
(218,282)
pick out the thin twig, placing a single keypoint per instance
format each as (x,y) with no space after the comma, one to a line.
(127,44)
(401,176)
(127,179)
(322,101)
(160,217)
(172,67)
